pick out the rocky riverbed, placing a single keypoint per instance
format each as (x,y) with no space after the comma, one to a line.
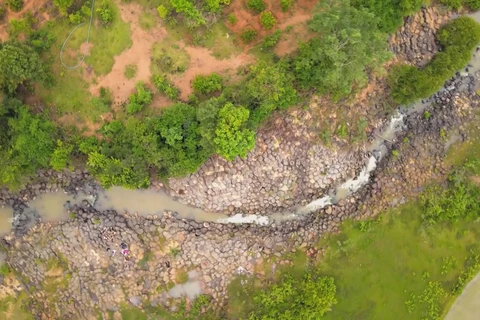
(75,268)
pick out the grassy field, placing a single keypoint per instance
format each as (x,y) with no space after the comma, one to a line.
(379,270)
(70,95)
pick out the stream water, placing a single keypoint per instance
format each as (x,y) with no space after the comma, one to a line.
(54,206)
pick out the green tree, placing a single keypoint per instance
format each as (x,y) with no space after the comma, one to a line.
(267,88)
(232,138)
(307,298)
(60,158)
(348,45)
(19,63)
(207,83)
(63,5)
(180,141)
(390,14)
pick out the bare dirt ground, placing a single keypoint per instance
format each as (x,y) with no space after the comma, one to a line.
(139,54)
(203,62)
(300,12)
(32,6)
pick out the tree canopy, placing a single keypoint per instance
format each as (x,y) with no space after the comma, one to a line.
(19,63)
(349,43)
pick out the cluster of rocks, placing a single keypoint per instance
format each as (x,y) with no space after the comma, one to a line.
(415,42)
(288,167)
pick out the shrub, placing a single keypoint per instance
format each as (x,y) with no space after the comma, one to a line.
(472,4)
(165,86)
(188,8)
(232,138)
(286,4)
(41,40)
(63,5)
(130,71)
(452,4)
(248,35)
(256,5)
(106,13)
(162,11)
(15,5)
(271,40)
(390,14)
(232,19)
(207,84)
(2,11)
(309,297)
(139,99)
(267,19)
(61,156)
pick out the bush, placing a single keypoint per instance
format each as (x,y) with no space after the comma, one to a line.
(162,11)
(472,4)
(207,84)
(195,18)
(309,297)
(61,156)
(271,40)
(63,5)
(15,5)
(41,40)
(139,99)
(165,86)
(232,19)
(452,4)
(286,4)
(130,71)
(267,19)
(232,138)
(248,35)
(256,5)
(2,11)
(106,13)
(390,14)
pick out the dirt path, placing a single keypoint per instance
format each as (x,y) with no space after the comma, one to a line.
(203,62)
(467,305)
(139,54)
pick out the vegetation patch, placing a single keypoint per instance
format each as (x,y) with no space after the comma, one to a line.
(458,38)
(131,71)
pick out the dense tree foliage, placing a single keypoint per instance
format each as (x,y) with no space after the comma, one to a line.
(232,138)
(348,45)
(458,38)
(19,63)
(207,83)
(267,88)
(26,143)
(309,297)
(390,14)
(63,5)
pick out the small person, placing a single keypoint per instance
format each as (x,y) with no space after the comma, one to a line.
(123,245)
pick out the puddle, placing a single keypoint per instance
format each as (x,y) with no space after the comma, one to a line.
(191,289)
(6,216)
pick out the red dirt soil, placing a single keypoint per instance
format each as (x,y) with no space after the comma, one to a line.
(138,54)
(203,62)
(299,13)
(28,5)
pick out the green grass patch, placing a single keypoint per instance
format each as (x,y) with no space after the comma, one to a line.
(222,43)
(380,268)
(15,307)
(181,276)
(148,20)
(168,57)
(131,71)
